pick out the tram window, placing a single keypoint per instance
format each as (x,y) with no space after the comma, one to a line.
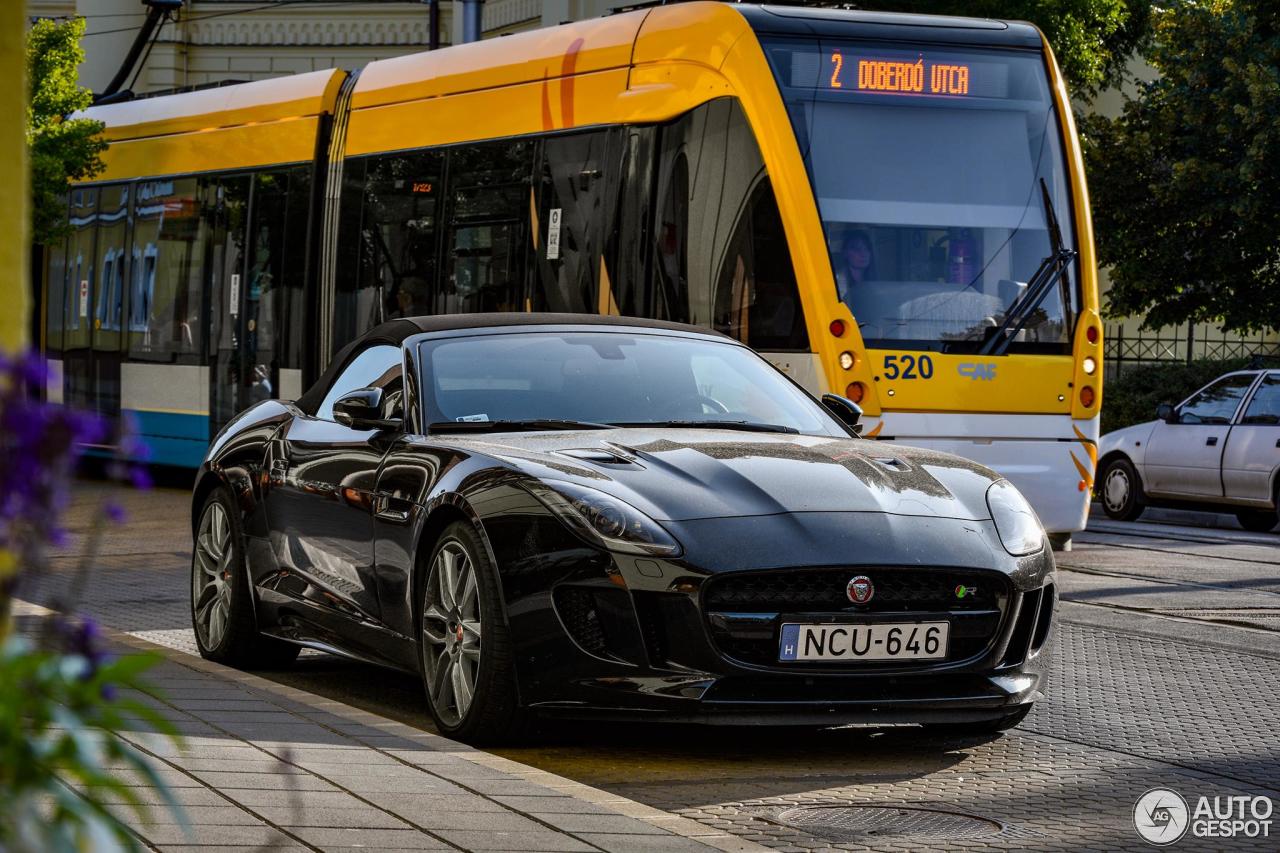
(488,220)
(113,261)
(399,230)
(757,300)
(55,295)
(81,252)
(171,235)
(347,321)
(569,229)
(708,164)
(629,249)
(291,277)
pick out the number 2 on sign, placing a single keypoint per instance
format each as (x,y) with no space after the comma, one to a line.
(908,367)
(837,59)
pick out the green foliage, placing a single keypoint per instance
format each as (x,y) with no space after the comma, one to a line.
(1186,182)
(61,757)
(1133,396)
(61,149)
(1091,39)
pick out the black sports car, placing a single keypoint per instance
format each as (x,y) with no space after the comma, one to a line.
(593,515)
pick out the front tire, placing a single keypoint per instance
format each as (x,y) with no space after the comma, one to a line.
(465,651)
(1122,497)
(221,601)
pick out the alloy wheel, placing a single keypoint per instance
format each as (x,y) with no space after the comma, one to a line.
(451,632)
(211,576)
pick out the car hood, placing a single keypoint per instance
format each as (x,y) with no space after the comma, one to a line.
(685,474)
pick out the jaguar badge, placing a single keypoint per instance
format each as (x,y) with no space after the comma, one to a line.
(860,589)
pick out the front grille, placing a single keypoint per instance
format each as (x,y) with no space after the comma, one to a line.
(824,590)
(745,611)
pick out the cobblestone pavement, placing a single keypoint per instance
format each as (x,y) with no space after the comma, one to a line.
(1138,700)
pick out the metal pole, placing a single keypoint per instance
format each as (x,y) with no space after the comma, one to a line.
(1191,340)
(471,15)
(433,24)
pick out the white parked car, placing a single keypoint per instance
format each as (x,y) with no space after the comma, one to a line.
(1219,448)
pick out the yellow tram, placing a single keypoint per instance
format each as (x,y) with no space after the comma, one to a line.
(889,207)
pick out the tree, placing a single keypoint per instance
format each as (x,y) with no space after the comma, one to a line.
(1092,40)
(1186,181)
(62,149)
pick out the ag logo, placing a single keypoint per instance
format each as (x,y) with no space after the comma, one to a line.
(860,589)
(975,370)
(1161,816)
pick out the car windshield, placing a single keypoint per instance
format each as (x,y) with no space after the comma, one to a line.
(927,166)
(546,380)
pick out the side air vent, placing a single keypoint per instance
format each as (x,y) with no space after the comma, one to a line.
(1044,620)
(1020,639)
(577,609)
(601,620)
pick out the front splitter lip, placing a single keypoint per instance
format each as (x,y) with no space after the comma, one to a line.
(1002,696)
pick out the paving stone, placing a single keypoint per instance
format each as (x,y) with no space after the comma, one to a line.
(583,823)
(614,843)
(530,842)
(370,839)
(218,836)
(224,779)
(428,804)
(362,817)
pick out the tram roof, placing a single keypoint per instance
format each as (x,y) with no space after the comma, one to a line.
(257,102)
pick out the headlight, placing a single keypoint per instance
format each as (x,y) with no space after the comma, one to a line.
(1016,522)
(606,520)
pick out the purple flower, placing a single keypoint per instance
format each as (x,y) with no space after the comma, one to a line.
(140,478)
(114,512)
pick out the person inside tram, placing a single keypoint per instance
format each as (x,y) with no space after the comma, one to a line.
(855,264)
(408,298)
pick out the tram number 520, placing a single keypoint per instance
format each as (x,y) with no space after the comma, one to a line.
(908,367)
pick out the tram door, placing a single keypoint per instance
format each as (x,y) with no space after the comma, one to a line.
(82,265)
(226,285)
(249,273)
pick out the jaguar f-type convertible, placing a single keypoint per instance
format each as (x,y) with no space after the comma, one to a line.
(582,515)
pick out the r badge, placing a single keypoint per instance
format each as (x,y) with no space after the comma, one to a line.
(860,589)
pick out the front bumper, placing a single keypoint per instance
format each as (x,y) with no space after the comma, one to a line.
(625,637)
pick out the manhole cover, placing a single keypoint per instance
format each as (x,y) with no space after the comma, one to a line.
(856,823)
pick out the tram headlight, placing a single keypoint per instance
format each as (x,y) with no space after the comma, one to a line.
(1016,522)
(846,360)
(1089,365)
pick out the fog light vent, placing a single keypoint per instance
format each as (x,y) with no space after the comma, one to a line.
(577,609)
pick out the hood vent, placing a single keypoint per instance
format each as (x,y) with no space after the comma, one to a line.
(598,455)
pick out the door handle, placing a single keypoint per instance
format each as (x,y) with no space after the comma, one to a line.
(1278,442)
(1211,441)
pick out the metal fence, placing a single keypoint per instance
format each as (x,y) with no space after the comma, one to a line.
(1195,343)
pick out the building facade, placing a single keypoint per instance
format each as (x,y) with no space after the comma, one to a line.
(218,41)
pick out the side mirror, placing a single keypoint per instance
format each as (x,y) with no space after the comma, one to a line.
(362,409)
(1167,413)
(845,410)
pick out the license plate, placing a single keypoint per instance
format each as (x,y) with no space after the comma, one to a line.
(864,641)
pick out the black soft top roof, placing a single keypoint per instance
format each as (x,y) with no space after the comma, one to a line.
(396,332)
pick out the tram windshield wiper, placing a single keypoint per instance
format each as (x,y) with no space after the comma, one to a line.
(532,425)
(1052,270)
(744,426)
